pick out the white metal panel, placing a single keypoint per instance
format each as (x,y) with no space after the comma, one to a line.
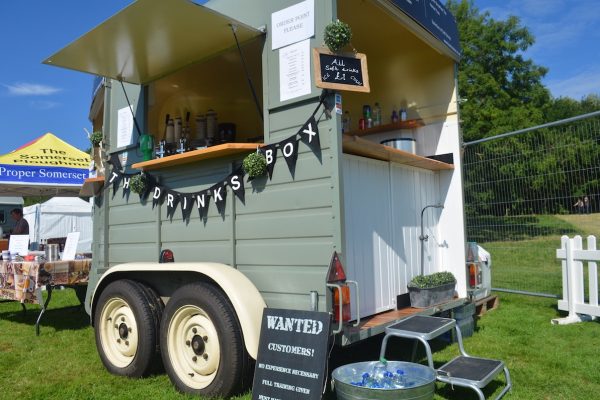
(367,208)
(413,189)
(382,206)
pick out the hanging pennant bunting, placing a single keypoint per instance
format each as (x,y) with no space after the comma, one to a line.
(236,182)
(126,179)
(289,149)
(115,179)
(115,162)
(309,134)
(158,194)
(172,200)
(219,193)
(202,203)
(187,205)
(270,153)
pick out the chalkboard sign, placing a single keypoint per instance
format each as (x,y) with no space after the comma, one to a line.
(346,71)
(292,355)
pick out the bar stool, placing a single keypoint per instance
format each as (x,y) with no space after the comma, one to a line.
(466,371)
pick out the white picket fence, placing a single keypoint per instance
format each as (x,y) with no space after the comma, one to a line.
(572,256)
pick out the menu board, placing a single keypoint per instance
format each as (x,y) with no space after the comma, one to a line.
(292,355)
(346,71)
(435,18)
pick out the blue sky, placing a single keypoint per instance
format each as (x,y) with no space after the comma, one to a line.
(36,98)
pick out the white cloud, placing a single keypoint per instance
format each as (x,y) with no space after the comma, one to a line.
(577,86)
(44,105)
(31,89)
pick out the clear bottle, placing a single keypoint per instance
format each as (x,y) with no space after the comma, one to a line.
(399,379)
(376,114)
(379,374)
(177,130)
(402,114)
(346,122)
(394,117)
(170,132)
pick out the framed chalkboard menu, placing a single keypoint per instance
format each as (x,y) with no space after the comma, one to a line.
(347,71)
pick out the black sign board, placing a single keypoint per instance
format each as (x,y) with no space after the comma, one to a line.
(435,18)
(346,71)
(292,355)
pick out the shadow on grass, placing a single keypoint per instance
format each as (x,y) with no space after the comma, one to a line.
(488,228)
(64,318)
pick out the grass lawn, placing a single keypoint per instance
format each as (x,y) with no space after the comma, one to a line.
(545,361)
(530,264)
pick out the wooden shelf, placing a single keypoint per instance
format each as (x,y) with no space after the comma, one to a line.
(91,186)
(408,124)
(361,147)
(218,151)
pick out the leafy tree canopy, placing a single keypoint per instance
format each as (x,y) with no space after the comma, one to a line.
(503,90)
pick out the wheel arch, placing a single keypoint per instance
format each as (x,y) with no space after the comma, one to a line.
(165,278)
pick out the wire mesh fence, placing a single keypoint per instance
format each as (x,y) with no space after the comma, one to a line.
(525,189)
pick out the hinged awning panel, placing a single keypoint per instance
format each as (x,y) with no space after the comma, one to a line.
(150,39)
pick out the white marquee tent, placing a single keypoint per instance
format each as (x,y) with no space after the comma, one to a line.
(59,216)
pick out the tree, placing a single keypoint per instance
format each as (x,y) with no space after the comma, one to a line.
(503,90)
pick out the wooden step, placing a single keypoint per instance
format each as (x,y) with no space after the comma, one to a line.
(486,304)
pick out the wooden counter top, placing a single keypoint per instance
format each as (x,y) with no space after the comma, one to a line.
(91,186)
(361,147)
(218,151)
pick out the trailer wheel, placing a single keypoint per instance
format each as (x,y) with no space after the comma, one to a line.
(201,342)
(126,328)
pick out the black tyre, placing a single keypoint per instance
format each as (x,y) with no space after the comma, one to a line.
(201,343)
(126,328)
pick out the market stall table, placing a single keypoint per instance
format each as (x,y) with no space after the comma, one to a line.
(23,280)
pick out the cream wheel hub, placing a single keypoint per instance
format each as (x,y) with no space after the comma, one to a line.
(194,346)
(118,332)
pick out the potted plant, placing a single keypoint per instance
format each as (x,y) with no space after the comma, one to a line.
(428,290)
(337,35)
(96,142)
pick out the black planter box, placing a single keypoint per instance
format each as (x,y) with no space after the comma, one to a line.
(423,298)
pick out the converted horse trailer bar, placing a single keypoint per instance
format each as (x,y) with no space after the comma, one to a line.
(241,245)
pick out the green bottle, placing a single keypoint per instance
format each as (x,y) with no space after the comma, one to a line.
(147,146)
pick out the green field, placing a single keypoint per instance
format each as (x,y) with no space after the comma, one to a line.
(546,361)
(530,263)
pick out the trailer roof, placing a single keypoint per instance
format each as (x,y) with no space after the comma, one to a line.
(150,39)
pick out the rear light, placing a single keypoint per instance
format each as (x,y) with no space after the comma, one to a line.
(336,270)
(474,275)
(166,256)
(337,276)
(345,300)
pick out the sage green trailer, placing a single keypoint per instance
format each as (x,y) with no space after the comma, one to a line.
(352,196)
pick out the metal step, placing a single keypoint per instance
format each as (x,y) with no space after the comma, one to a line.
(471,370)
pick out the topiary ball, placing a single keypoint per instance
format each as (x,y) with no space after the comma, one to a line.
(137,184)
(255,165)
(337,35)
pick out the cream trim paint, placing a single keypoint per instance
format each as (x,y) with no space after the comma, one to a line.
(245,298)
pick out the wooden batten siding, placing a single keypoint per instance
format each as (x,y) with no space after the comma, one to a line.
(284,232)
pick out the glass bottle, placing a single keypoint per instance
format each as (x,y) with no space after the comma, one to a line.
(346,122)
(376,114)
(402,114)
(394,116)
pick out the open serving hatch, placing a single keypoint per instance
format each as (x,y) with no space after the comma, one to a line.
(150,39)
